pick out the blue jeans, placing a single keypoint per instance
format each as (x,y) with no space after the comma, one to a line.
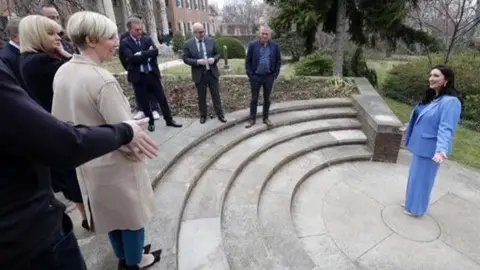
(63,254)
(128,245)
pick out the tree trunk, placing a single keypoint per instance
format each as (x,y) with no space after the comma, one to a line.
(340,37)
(163,15)
(127,11)
(150,21)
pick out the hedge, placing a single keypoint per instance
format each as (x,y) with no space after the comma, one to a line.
(235,47)
(407,82)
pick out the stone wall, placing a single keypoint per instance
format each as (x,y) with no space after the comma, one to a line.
(380,124)
(235,91)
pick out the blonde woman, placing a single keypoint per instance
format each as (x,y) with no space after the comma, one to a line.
(42,55)
(117,185)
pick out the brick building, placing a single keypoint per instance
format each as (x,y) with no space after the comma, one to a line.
(181,14)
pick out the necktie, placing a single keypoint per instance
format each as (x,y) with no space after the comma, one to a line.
(144,66)
(202,52)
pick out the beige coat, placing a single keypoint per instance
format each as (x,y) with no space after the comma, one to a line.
(119,190)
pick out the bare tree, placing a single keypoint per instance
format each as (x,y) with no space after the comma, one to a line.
(65,7)
(452,22)
(151,22)
(246,12)
(163,16)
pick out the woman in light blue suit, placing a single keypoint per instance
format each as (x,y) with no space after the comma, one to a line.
(430,135)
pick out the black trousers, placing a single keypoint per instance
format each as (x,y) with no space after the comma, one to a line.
(63,254)
(208,80)
(257,82)
(149,83)
(153,103)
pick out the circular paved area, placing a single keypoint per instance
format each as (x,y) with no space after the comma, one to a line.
(359,222)
(419,229)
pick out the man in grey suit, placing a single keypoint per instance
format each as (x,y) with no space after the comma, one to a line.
(201,54)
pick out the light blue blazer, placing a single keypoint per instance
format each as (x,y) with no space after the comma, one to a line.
(433,130)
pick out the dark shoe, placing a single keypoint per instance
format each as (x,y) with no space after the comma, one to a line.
(222,119)
(203,119)
(268,123)
(173,124)
(151,127)
(250,124)
(85,225)
(122,264)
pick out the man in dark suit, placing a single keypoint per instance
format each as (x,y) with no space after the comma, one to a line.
(262,64)
(201,54)
(142,67)
(36,232)
(10,54)
(52,13)
(153,103)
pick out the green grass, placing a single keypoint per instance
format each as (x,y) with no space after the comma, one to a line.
(237,67)
(467,143)
(115,66)
(382,67)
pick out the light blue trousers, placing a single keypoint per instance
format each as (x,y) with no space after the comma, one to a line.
(423,172)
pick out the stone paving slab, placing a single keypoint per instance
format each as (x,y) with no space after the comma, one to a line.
(364,220)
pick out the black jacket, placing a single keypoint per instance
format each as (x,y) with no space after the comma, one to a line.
(11,57)
(37,71)
(128,47)
(31,141)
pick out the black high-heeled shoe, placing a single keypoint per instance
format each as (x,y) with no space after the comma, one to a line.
(85,225)
(156,255)
(122,264)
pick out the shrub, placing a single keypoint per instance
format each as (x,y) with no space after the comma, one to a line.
(234,46)
(315,64)
(291,44)
(357,67)
(188,36)
(321,64)
(407,82)
(178,41)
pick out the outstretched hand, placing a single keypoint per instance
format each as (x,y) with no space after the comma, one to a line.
(141,145)
(439,157)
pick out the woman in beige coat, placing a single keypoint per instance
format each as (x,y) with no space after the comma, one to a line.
(118,187)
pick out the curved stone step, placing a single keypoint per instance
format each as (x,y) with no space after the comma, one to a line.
(198,133)
(275,220)
(180,178)
(202,211)
(243,243)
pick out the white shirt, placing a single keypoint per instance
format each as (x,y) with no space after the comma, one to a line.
(14,44)
(197,41)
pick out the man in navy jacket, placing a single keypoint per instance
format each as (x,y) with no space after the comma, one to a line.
(262,64)
(10,54)
(36,234)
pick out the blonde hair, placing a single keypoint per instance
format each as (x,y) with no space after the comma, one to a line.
(91,25)
(34,30)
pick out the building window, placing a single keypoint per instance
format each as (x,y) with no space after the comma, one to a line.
(191,3)
(188,4)
(179,27)
(196,3)
(202,4)
(179,3)
(166,2)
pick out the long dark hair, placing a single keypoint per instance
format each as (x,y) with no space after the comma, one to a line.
(448,90)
